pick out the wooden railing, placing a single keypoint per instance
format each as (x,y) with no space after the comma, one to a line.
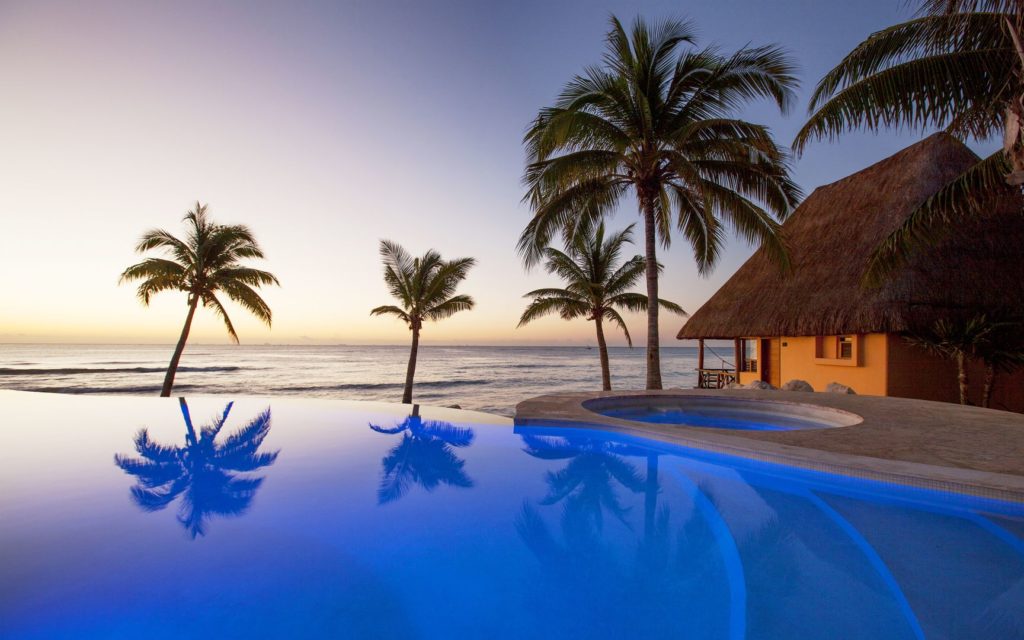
(715,378)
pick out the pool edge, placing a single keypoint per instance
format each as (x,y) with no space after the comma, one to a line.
(567,411)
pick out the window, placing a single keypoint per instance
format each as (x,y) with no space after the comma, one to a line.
(843,350)
(844,347)
(748,355)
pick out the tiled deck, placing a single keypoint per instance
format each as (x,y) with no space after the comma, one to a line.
(926,444)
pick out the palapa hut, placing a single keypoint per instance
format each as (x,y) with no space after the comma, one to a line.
(819,324)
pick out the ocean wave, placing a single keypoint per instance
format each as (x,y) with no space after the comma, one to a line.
(93,370)
(133,390)
(372,386)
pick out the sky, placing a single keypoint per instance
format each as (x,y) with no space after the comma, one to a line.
(326,126)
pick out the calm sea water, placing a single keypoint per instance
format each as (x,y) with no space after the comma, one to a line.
(489,379)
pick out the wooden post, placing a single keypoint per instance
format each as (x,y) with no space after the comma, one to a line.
(736,351)
(700,364)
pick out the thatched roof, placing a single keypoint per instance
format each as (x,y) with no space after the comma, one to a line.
(831,236)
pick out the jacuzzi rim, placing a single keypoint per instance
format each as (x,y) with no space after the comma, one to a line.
(828,417)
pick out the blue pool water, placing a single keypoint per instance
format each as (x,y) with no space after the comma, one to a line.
(681,417)
(131,518)
(735,414)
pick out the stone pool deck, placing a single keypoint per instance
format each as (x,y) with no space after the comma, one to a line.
(925,444)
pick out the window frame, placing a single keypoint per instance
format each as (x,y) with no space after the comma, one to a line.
(749,364)
(834,344)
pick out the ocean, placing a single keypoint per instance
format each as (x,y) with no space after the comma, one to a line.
(492,379)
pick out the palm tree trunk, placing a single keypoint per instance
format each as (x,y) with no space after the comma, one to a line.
(986,391)
(172,368)
(961,376)
(651,496)
(410,372)
(602,348)
(190,431)
(650,246)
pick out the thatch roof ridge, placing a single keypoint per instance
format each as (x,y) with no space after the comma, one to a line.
(831,236)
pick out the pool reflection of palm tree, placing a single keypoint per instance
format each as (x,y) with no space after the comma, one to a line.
(203,472)
(425,456)
(669,563)
(587,483)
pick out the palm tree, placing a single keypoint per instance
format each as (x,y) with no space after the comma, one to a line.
(958,66)
(203,472)
(960,341)
(205,263)
(597,286)
(1002,352)
(424,456)
(425,286)
(661,123)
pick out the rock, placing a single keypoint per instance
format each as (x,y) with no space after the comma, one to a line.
(835,387)
(734,385)
(453,406)
(762,385)
(797,385)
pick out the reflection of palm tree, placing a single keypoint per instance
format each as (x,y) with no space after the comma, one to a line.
(586,483)
(424,456)
(202,473)
(587,567)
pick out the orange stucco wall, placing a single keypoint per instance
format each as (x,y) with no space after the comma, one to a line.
(888,365)
(747,377)
(867,378)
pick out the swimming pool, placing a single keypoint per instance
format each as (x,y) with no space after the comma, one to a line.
(315,519)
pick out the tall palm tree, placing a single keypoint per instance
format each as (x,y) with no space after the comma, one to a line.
(957,65)
(425,287)
(206,262)
(424,456)
(597,286)
(203,472)
(660,122)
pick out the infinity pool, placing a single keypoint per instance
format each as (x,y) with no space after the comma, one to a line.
(147,518)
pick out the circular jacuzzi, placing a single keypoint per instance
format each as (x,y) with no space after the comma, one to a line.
(722,413)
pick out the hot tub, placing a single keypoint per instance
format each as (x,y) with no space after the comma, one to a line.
(721,413)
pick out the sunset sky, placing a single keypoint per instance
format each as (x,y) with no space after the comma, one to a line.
(326,126)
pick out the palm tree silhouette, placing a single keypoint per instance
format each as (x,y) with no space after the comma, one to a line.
(597,286)
(203,472)
(659,120)
(206,263)
(957,66)
(424,456)
(425,287)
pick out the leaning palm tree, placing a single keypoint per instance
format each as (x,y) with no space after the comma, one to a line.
(957,65)
(205,263)
(425,286)
(597,287)
(661,122)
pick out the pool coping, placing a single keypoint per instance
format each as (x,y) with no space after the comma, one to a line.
(914,421)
